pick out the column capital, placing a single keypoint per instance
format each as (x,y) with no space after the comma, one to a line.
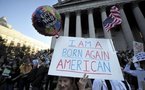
(134,4)
(121,5)
(66,14)
(78,12)
(90,10)
(103,8)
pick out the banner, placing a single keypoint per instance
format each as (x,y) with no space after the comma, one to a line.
(97,58)
(137,47)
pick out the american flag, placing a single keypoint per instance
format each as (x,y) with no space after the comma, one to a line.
(113,19)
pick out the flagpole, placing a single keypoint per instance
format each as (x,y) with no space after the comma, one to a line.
(53,41)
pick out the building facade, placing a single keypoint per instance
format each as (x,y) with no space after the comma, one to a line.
(83,18)
(16,38)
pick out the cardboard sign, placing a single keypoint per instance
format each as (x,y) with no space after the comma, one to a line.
(137,47)
(97,58)
(139,57)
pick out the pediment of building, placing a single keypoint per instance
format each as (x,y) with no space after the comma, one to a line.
(70,2)
(75,5)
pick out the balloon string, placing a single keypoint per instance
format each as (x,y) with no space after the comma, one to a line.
(57,33)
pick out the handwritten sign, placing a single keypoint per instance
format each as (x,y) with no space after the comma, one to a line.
(137,47)
(75,56)
(139,57)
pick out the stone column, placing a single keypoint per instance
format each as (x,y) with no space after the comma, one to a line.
(91,24)
(78,24)
(66,25)
(104,16)
(126,29)
(139,18)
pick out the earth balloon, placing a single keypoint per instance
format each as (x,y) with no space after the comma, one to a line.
(46,20)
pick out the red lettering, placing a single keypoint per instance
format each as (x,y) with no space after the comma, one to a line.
(60,64)
(67,63)
(98,55)
(86,65)
(106,56)
(81,44)
(87,54)
(98,46)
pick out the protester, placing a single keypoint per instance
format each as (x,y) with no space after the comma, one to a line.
(139,72)
(110,85)
(99,84)
(42,70)
(8,74)
(68,83)
(25,68)
(50,80)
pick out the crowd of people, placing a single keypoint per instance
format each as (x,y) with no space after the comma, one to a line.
(31,73)
(28,71)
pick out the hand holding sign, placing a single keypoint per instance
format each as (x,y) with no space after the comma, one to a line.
(129,61)
(82,82)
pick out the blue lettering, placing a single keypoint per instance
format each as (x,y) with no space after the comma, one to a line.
(72,53)
(100,67)
(79,62)
(106,66)
(71,44)
(73,64)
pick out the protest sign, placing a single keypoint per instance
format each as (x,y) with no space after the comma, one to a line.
(139,57)
(137,47)
(97,58)
(6,72)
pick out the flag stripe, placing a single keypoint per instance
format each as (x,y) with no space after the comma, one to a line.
(113,19)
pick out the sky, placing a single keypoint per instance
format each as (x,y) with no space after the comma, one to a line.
(19,14)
